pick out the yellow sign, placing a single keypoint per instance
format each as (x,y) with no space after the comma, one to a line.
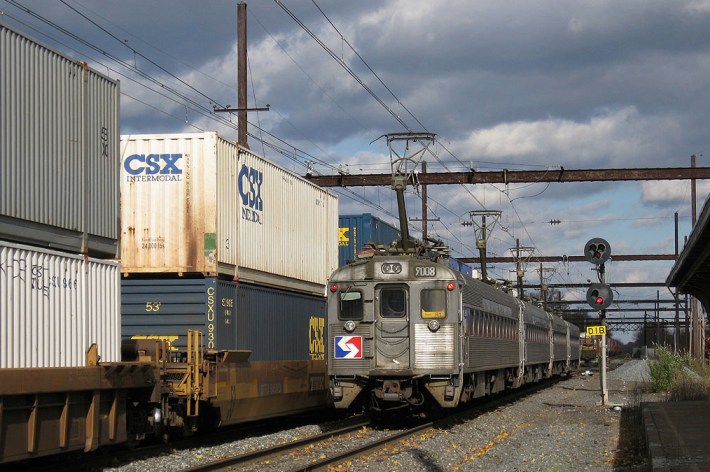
(596,330)
(343,239)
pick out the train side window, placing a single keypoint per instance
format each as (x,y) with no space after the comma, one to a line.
(433,303)
(351,306)
(393,303)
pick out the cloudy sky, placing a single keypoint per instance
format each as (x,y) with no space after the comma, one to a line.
(514,85)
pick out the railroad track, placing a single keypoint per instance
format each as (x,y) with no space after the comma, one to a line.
(282,450)
(317,453)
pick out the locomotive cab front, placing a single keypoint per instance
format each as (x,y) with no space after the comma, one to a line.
(393,324)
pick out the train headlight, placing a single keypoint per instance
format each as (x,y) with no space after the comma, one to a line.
(433,326)
(349,326)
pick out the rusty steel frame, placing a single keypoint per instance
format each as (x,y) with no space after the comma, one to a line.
(64,402)
(517,176)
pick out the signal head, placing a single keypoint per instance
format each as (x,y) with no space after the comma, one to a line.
(599,296)
(597,251)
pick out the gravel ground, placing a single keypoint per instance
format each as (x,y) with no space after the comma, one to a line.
(561,428)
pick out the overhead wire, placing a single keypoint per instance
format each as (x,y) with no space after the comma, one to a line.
(347,68)
(194,105)
(399,102)
(202,110)
(341,63)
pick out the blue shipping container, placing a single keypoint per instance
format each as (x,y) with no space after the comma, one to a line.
(356,230)
(167,308)
(279,325)
(460,266)
(274,324)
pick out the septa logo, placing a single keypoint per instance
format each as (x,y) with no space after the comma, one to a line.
(348,347)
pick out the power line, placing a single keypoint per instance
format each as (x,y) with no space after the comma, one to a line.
(399,102)
(342,64)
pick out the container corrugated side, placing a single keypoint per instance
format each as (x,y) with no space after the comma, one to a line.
(274,324)
(280,325)
(59,169)
(166,308)
(54,305)
(288,227)
(179,204)
(356,230)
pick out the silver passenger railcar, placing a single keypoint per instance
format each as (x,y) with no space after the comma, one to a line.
(411,333)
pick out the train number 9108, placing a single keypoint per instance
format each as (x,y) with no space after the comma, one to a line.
(422,271)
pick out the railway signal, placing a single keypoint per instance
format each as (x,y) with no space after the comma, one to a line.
(599,296)
(597,251)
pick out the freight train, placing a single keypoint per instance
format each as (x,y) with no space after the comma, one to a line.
(155,392)
(590,346)
(411,333)
(184,263)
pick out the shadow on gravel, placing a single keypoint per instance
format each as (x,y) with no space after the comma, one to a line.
(426,461)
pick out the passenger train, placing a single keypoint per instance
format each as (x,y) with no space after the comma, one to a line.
(408,332)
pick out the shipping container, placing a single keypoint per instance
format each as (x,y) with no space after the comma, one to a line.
(54,305)
(288,228)
(461,267)
(274,324)
(167,307)
(356,230)
(59,122)
(280,325)
(197,203)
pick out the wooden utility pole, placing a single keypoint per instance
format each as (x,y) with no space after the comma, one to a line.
(241,109)
(424,205)
(242,74)
(425,209)
(543,285)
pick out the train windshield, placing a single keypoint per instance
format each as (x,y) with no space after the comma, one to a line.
(433,303)
(393,303)
(351,305)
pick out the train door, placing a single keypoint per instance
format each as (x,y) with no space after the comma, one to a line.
(392,327)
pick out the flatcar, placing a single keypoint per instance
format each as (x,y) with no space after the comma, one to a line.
(411,333)
(154,392)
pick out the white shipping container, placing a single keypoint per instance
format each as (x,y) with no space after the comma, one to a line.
(198,203)
(59,122)
(179,204)
(54,305)
(288,227)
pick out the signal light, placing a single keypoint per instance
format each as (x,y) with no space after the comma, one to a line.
(599,296)
(333,288)
(451,286)
(597,251)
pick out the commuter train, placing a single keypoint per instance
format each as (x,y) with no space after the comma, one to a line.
(410,333)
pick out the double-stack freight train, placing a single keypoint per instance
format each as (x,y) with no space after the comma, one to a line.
(212,314)
(410,333)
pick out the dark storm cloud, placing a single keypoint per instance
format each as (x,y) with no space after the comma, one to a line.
(510,84)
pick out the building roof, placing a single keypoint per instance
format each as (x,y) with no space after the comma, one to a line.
(691,272)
